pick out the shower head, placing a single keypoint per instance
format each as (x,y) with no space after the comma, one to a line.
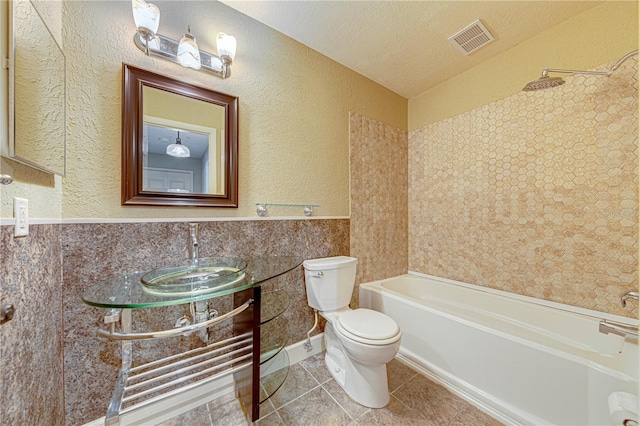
(546,82)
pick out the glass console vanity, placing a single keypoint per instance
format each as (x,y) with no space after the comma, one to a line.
(252,359)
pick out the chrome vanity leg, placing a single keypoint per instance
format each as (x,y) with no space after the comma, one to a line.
(113,412)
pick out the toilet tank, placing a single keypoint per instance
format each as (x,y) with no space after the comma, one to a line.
(330,282)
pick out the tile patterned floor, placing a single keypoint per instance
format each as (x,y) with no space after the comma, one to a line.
(310,397)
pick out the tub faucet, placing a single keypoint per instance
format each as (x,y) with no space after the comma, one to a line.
(192,244)
(628,295)
(626,331)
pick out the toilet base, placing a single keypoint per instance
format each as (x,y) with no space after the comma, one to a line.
(365,384)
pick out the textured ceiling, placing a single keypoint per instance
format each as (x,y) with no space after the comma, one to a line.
(403,45)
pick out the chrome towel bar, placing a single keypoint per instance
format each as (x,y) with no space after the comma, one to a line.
(114,335)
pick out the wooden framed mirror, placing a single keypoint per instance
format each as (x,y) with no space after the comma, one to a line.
(179,143)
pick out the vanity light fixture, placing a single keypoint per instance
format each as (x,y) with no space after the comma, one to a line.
(185,52)
(177,149)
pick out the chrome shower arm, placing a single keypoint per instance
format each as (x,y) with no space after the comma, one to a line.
(605,73)
(624,58)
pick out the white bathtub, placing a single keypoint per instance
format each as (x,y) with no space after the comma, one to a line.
(522,360)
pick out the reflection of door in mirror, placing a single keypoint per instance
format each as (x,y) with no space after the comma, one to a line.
(198,126)
(39,92)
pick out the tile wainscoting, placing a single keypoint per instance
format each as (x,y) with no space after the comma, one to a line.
(31,344)
(51,344)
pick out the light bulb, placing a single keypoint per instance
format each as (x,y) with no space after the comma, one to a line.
(188,52)
(226,45)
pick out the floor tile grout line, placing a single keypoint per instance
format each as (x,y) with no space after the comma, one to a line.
(336,401)
(404,404)
(209,414)
(403,384)
(453,419)
(361,415)
(312,375)
(464,408)
(280,417)
(272,405)
(298,397)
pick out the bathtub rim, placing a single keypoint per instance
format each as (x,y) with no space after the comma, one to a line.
(633,322)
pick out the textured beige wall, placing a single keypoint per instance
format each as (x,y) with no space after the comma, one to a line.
(294,110)
(536,194)
(379,180)
(39,91)
(43,190)
(51,12)
(597,36)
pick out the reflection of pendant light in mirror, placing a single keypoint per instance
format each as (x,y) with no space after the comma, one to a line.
(188,53)
(177,149)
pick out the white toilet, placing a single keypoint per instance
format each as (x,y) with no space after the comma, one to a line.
(359,342)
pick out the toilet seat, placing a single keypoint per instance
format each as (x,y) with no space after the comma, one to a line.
(368,326)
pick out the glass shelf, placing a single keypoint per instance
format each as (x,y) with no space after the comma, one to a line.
(127,292)
(273,304)
(287,205)
(274,336)
(273,374)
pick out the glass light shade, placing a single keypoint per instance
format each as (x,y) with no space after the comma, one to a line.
(178,150)
(188,52)
(146,16)
(226,45)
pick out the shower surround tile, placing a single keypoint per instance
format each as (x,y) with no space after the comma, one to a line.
(535,194)
(379,200)
(31,344)
(93,252)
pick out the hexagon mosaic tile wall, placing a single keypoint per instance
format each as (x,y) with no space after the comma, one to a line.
(535,194)
(378,225)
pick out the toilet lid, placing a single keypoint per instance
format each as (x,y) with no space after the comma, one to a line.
(368,324)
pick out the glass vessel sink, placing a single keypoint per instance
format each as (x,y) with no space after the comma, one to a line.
(205,275)
(126,290)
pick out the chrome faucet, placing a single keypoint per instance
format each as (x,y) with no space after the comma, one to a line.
(199,310)
(192,244)
(628,295)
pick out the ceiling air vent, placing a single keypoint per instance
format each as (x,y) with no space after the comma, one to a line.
(471,38)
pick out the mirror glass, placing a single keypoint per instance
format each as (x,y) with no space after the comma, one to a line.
(179,143)
(198,126)
(37,79)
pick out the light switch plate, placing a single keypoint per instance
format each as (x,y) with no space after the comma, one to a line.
(21,214)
